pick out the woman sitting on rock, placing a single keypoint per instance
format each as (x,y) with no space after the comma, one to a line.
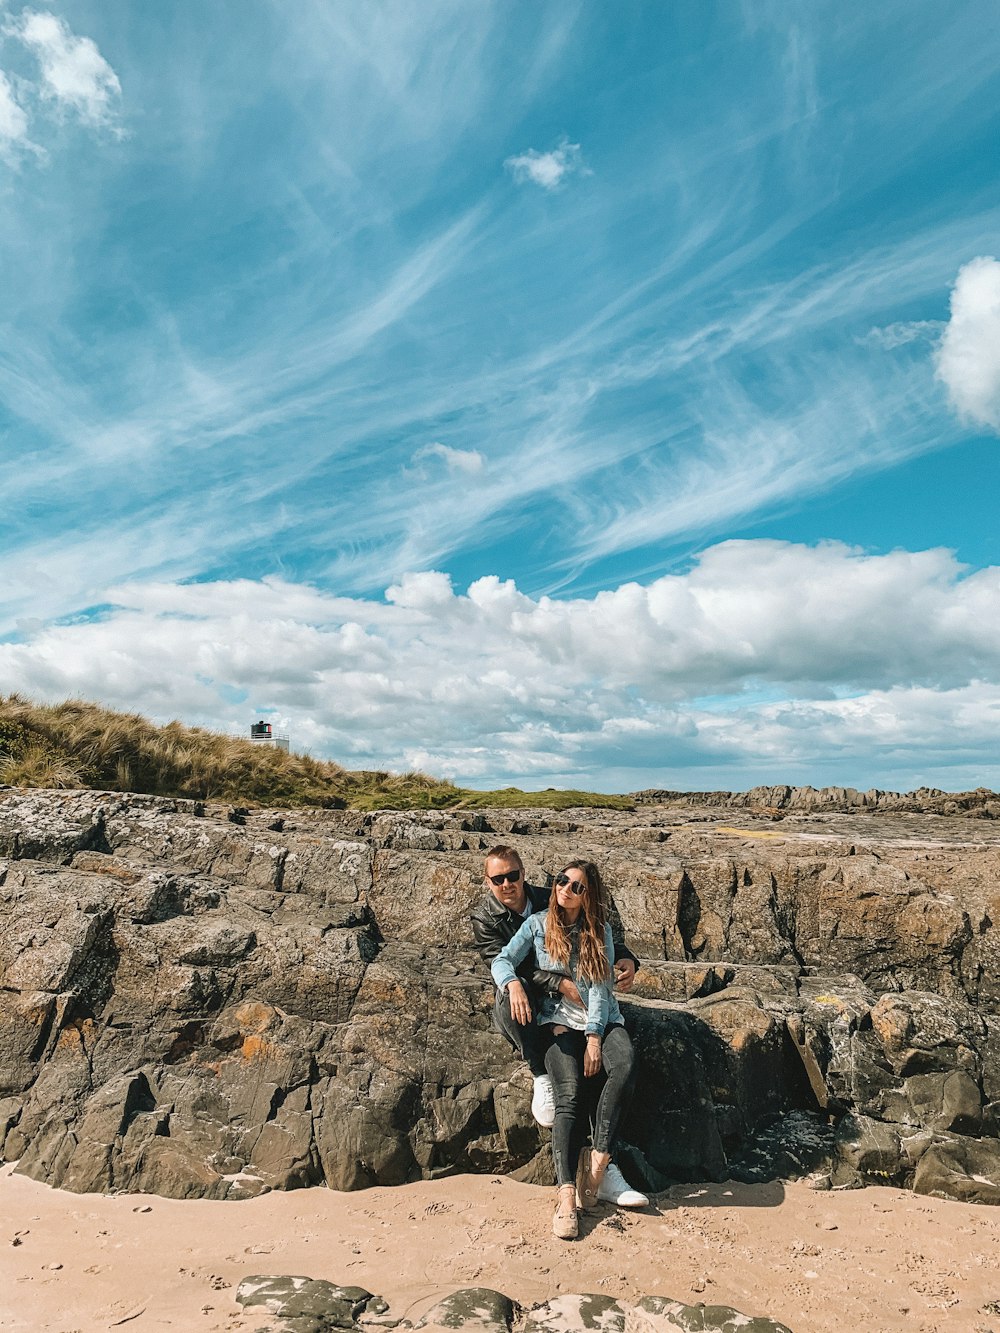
(573,937)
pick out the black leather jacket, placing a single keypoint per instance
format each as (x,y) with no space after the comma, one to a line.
(494,925)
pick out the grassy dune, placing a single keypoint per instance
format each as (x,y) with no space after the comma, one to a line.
(78,744)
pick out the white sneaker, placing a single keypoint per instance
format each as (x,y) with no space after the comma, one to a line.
(616,1189)
(543,1102)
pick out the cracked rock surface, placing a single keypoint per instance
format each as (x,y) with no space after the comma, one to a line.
(202,1002)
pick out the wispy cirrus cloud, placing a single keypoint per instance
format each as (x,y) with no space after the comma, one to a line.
(681,464)
(468,461)
(301,323)
(901,333)
(13,121)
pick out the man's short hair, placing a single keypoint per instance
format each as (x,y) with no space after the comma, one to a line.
(504,853)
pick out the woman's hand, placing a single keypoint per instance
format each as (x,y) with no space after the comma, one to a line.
(592,1056)
(520,1009)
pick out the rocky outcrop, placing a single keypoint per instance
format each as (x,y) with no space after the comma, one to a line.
(208,1002)
(311,1305)
(979,804)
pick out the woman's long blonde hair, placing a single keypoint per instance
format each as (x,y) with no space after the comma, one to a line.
(594,964)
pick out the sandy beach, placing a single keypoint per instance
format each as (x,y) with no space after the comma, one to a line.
(877,1259)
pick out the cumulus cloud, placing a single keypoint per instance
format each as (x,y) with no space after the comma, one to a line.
(765,661)
(550,169)
(929,735)
(469,461)
(75,77)
(968,359)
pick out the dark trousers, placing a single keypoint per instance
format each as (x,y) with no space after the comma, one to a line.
(574,1095)
(531,1041)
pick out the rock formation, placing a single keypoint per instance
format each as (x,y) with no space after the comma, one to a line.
(208,1002)
(312,1305)
(979,804)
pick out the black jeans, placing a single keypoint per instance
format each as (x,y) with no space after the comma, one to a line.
(529,1041)
(574,1095)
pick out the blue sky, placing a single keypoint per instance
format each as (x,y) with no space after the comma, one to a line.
(534,392)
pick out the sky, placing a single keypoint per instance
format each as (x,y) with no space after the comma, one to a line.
(533,393)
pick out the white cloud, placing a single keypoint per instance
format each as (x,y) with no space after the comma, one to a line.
(13,120)
(936,737)
(469,461)
(968,359)
(550,169)
(891,336)
(430,591)
(75,76)
(765,661)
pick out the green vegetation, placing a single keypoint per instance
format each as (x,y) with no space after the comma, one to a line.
(77,744)
(552,798)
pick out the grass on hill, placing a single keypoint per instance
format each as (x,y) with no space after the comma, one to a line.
(78,744)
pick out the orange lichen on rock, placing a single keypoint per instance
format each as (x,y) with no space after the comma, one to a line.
(258,1048)
(254,1016)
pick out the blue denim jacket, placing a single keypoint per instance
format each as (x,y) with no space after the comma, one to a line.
(598,996)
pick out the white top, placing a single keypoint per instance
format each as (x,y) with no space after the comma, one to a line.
(567,1013)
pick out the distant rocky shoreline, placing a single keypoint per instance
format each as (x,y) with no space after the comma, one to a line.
(979,804)
(209,1001)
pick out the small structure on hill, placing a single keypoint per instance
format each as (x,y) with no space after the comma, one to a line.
(262,733)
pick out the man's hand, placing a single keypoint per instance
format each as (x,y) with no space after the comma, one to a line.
(568,990)
(592,1056)
(520,1009)
(624,975)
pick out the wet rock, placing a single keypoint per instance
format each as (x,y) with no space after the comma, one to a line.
(652,1314)
(571,1313)
(478,1309)
(667,1314)
(799,1144)
(308,1305)
(960,1168)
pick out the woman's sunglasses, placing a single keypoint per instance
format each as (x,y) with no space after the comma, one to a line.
(577,886)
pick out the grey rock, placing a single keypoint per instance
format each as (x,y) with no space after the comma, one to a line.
(308,1305)
(478,1309)
(705,1318)
(867,1151)
(571,1313)
(54,828)
(960,1168)
(210,1002)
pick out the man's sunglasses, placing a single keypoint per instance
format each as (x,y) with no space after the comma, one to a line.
(508,875)
(576,886)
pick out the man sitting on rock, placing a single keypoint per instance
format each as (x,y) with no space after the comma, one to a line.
(508,901)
